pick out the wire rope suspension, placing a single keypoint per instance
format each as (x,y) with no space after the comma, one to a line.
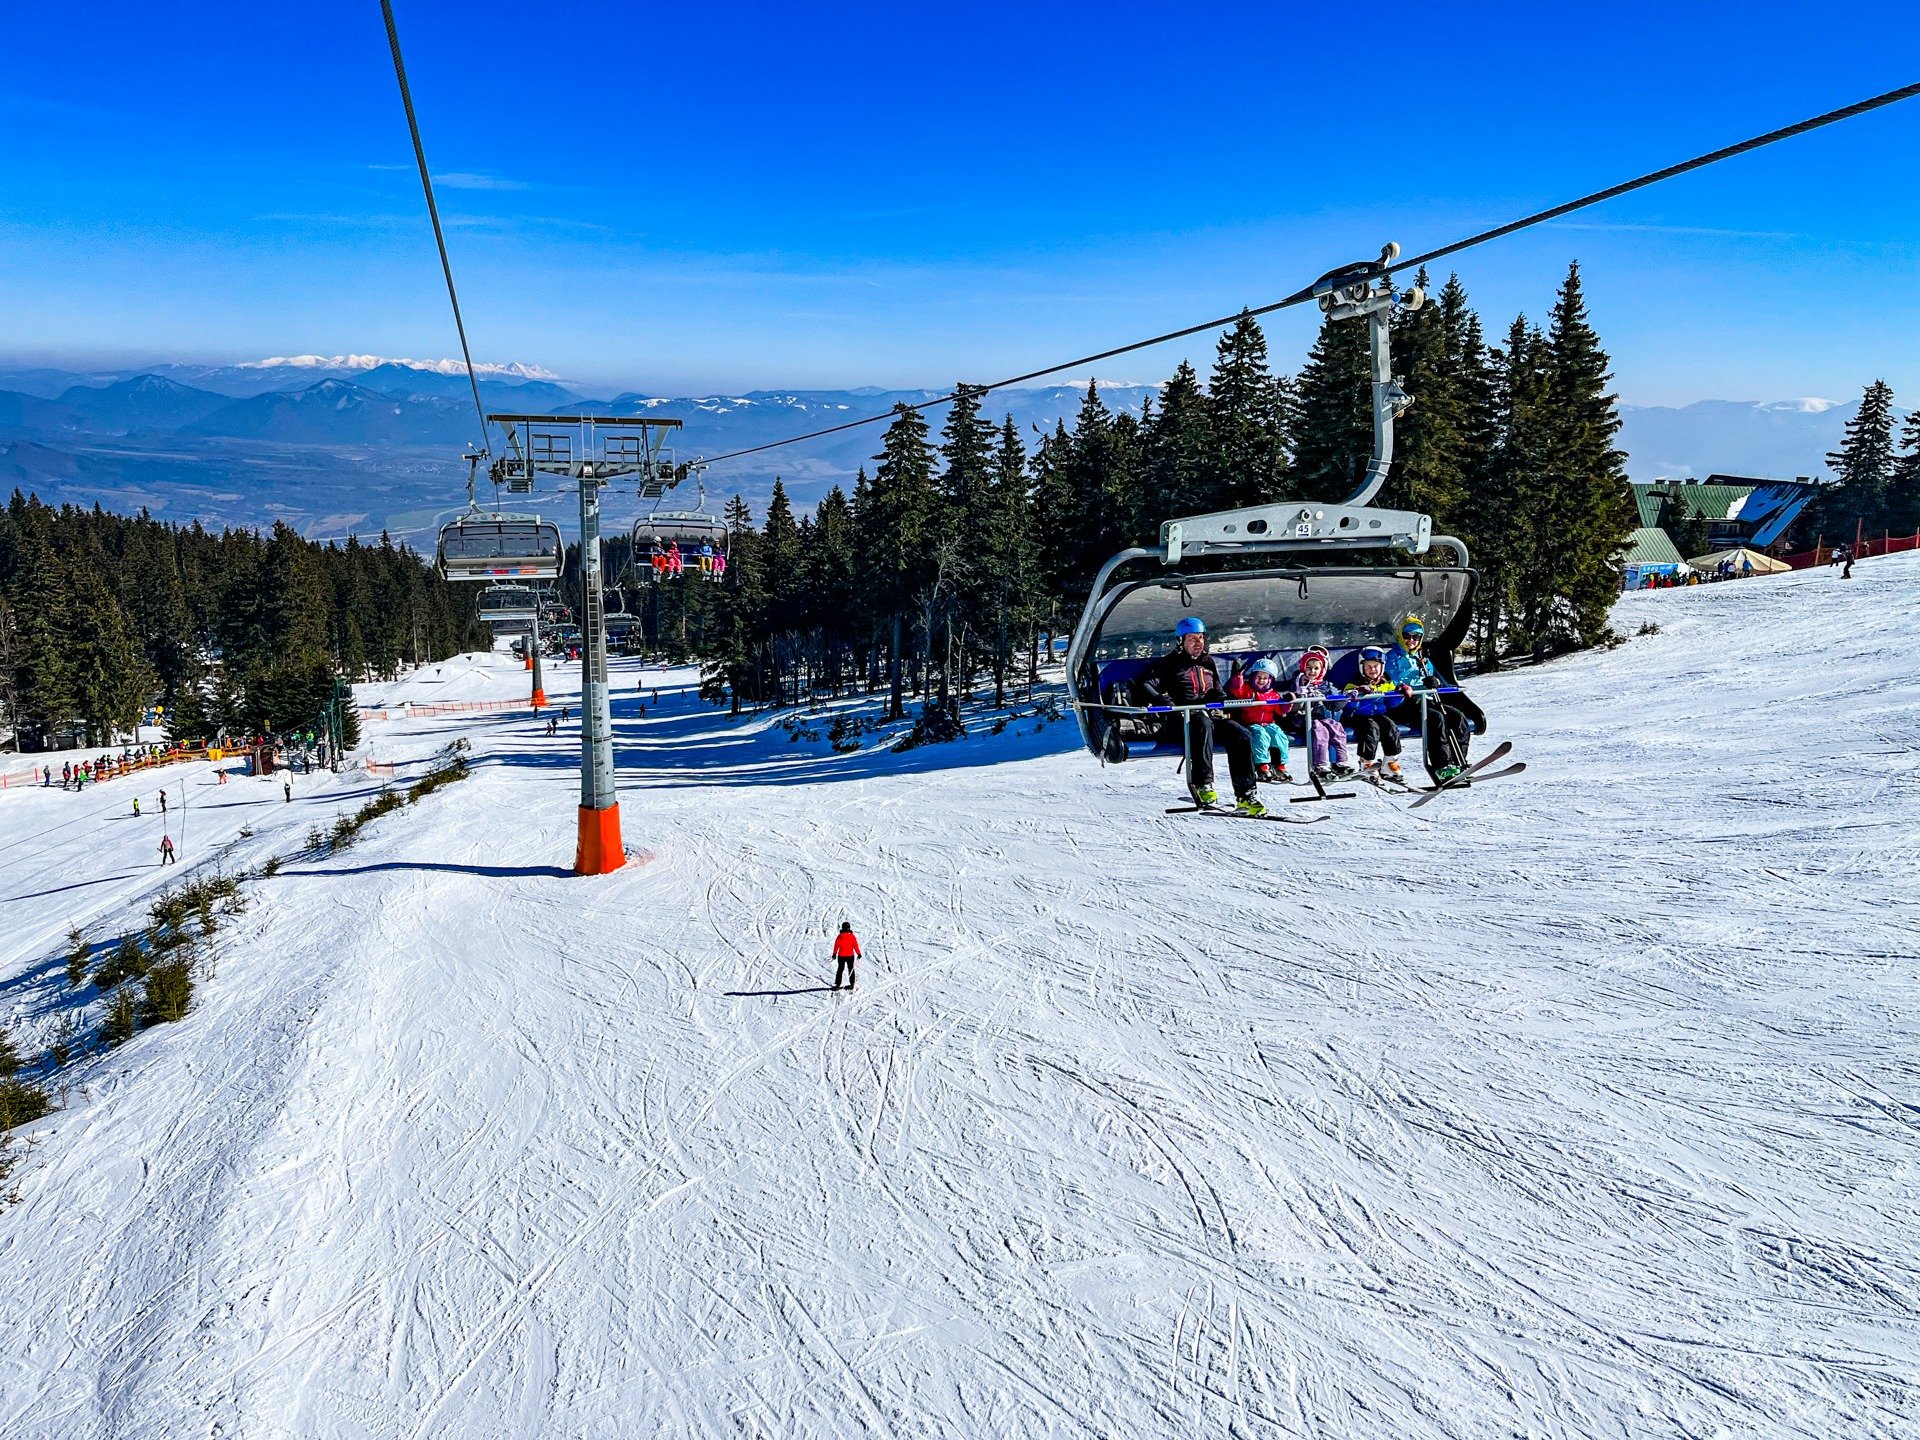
(1309,292)
(439,235)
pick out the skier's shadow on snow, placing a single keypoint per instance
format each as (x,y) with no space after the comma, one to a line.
(770,994)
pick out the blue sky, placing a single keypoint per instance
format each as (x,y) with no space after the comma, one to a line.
(740,196)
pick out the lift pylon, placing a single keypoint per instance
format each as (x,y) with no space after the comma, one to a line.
(592,450)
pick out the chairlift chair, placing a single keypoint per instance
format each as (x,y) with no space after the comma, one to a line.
(696,537)
(1297,593)
(494,547)
(509,603)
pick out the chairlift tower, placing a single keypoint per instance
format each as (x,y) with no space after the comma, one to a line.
(593,451)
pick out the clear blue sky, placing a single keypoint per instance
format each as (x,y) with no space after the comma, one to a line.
(730,196)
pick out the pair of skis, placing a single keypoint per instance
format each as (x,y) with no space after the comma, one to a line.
(1227,812)
(1476,771)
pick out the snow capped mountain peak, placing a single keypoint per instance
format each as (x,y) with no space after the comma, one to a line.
(1807,405)
(513,370)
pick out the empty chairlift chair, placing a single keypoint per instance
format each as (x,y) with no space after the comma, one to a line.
(500,547)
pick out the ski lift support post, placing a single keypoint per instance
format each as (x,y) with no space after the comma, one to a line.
(1361,291)
(593,451)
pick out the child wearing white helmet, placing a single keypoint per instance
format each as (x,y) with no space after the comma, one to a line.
(1260,682)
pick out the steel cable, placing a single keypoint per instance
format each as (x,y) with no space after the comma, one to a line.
(1300,297)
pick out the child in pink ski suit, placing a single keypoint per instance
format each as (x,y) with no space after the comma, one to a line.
(1326,736)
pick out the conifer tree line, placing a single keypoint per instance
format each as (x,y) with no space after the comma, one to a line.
(103,616)
(939,574)
(1876,489)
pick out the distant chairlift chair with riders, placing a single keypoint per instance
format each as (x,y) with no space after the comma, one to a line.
(675,544)
(1279,608)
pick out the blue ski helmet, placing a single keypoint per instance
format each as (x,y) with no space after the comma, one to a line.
(1264,666)
(1373,652)
(1190,625)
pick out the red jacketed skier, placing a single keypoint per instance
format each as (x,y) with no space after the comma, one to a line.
(846,950)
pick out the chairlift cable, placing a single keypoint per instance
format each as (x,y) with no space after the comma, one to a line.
(1300,297)
(433,213)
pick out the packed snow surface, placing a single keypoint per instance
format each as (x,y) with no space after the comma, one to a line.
(1582,1104)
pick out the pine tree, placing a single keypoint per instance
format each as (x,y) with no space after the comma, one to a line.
(1598,515)
(893,523)
(111,681)
(1511,508)
(1430,447)
(1177,448)
(1863,469)
(1333,429)
(1246,435)
(1013,566)
(1903,490)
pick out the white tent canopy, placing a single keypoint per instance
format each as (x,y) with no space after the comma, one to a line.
(1745,562)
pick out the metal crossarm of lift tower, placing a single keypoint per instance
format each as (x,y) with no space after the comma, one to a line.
(584,447)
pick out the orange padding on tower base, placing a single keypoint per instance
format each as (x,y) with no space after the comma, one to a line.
(529,664)
(539,698)
(600,852)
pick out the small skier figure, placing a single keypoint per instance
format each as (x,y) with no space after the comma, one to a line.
(166,850)
(136,807)
(846,950)
(163,802)
(287,785)
(553,723)
(1846,566)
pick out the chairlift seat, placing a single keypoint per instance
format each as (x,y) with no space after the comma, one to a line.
(492,547)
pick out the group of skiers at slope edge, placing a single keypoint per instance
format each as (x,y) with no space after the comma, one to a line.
(1258,747)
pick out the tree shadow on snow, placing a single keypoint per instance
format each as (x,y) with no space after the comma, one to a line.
(491,872)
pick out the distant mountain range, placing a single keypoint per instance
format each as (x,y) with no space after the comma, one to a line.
(357,443)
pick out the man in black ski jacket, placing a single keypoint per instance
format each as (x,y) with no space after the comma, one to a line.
(1188,675)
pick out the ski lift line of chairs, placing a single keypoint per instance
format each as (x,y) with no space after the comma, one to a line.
(497,547)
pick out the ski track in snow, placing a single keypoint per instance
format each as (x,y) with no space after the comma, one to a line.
(1586,1107)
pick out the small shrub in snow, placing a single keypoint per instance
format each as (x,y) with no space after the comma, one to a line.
(79,952)
(21,1101)
(316,839)
(271,868)
(169,990)
(1647,627)
(846,731)
(65,1041)
(937,724)
(126,961)
(9,1057)
(122,1018)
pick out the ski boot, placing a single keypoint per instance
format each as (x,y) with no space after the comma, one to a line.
(1264,774)
(1345,770)
(1393,774)
(1249,805)
(1324,773)
(1369,771)
(1206,799)
(1447,774)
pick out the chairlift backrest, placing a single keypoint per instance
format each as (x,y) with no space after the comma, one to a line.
(494,546)
(1283,610)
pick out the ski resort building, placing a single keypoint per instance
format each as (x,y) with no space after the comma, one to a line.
(1732,510)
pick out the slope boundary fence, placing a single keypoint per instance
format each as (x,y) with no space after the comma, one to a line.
(1887,544)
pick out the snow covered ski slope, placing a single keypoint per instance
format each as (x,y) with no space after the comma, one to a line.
(1582,1104)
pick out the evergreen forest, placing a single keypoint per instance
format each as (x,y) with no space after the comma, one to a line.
(105,617)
